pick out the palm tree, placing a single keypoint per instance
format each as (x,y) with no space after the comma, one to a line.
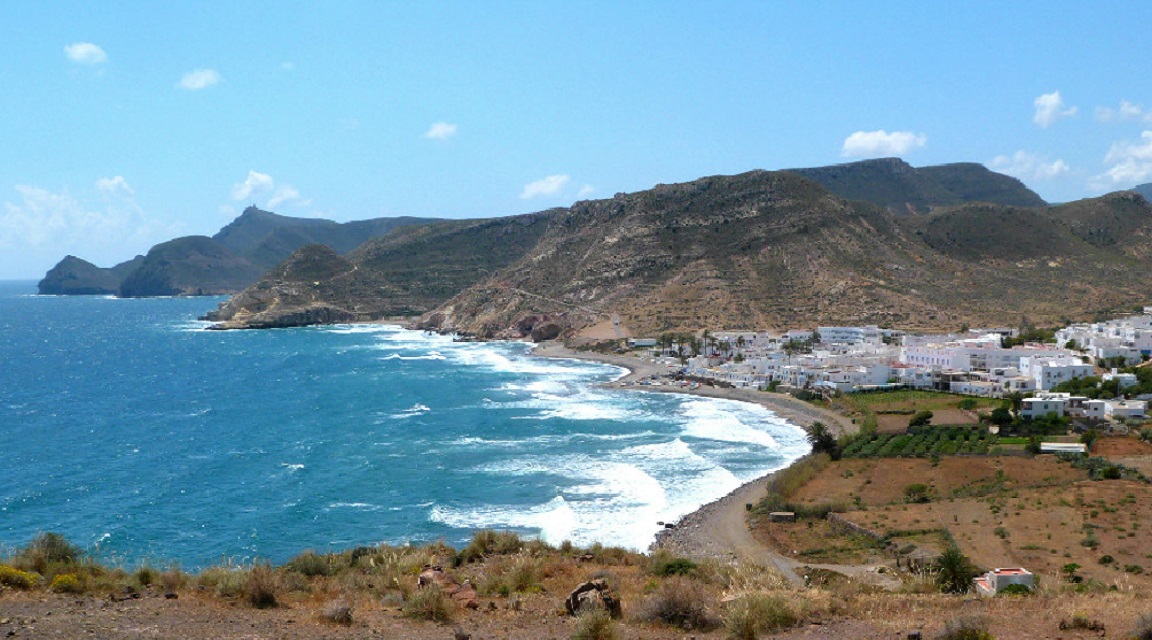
(955,571)
(823,440)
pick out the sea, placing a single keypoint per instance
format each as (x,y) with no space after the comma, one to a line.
(144,438)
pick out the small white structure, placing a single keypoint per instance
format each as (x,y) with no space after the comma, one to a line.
(1042,406)
(995,580)
(1119,409)
(1063,447)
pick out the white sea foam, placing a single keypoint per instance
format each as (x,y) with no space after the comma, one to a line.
(718,420)
(360,506)
(291,466)
(432,355)
(363,328)
(413,411)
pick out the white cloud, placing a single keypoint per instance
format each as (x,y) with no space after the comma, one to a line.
(287,194)
(114,185)
(544,186)
(255,183)
(585,191)
(1029,166)
(199,79)
(1050,107)
(1125,112)
(440,131)
(85,53)
(1131,164)
(865,144)
(258,184)
(41,227)
(287,66)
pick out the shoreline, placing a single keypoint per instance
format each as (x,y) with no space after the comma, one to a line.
(796,411)
(717,529)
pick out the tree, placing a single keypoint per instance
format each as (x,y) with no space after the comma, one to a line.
(823,440)
(954,571)
(921,419)
(1088,438)
(1016,399)
(1001,417)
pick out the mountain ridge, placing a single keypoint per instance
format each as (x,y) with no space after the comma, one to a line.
(236,256)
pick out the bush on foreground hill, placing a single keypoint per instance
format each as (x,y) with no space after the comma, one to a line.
(532,579)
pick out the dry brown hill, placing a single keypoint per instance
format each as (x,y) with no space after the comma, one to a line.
(775,250)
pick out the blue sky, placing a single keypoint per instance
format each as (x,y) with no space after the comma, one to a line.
(128,123)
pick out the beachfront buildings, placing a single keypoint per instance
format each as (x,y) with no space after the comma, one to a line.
(848,359)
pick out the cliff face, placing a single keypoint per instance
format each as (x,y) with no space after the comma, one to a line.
(405,273)
(194,265)
(775,250)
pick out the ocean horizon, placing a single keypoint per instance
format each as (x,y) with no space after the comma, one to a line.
(143,438)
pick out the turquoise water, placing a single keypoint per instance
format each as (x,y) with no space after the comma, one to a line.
(137,434)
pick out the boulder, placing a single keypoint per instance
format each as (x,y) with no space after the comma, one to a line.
(592,595)
(465,596)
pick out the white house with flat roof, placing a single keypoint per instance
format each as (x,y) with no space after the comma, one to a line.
(1042,406)
(1049,371)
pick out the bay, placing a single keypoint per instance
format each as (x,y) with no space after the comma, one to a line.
(127,427)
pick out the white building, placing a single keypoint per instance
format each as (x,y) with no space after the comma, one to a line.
(1043,405)
(870,334)
(1049,371)
(1120,409)
(997,579)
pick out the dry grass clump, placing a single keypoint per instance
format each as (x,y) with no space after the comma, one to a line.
(337,612)
(429,603)
(310,564)
(680,602)
(522,574)
(758,613)
(967,628)
(260,587)
(595,625)
(490,543)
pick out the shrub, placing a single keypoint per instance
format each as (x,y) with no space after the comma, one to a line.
(966,628)
(337,612)
(1143,629)
(524,576)
(1134,569)
(1016,590)
(145,576)
(755,614)
(487,543)
(917,493)
(15,578)
(681,602)
(1107,559)
(664,564)
(172,580)
(429,603)
(595,625)
(260,587)
(66,583)
(48,549)
(310,564)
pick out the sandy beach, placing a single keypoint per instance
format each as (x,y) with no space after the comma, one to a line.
(717,530)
